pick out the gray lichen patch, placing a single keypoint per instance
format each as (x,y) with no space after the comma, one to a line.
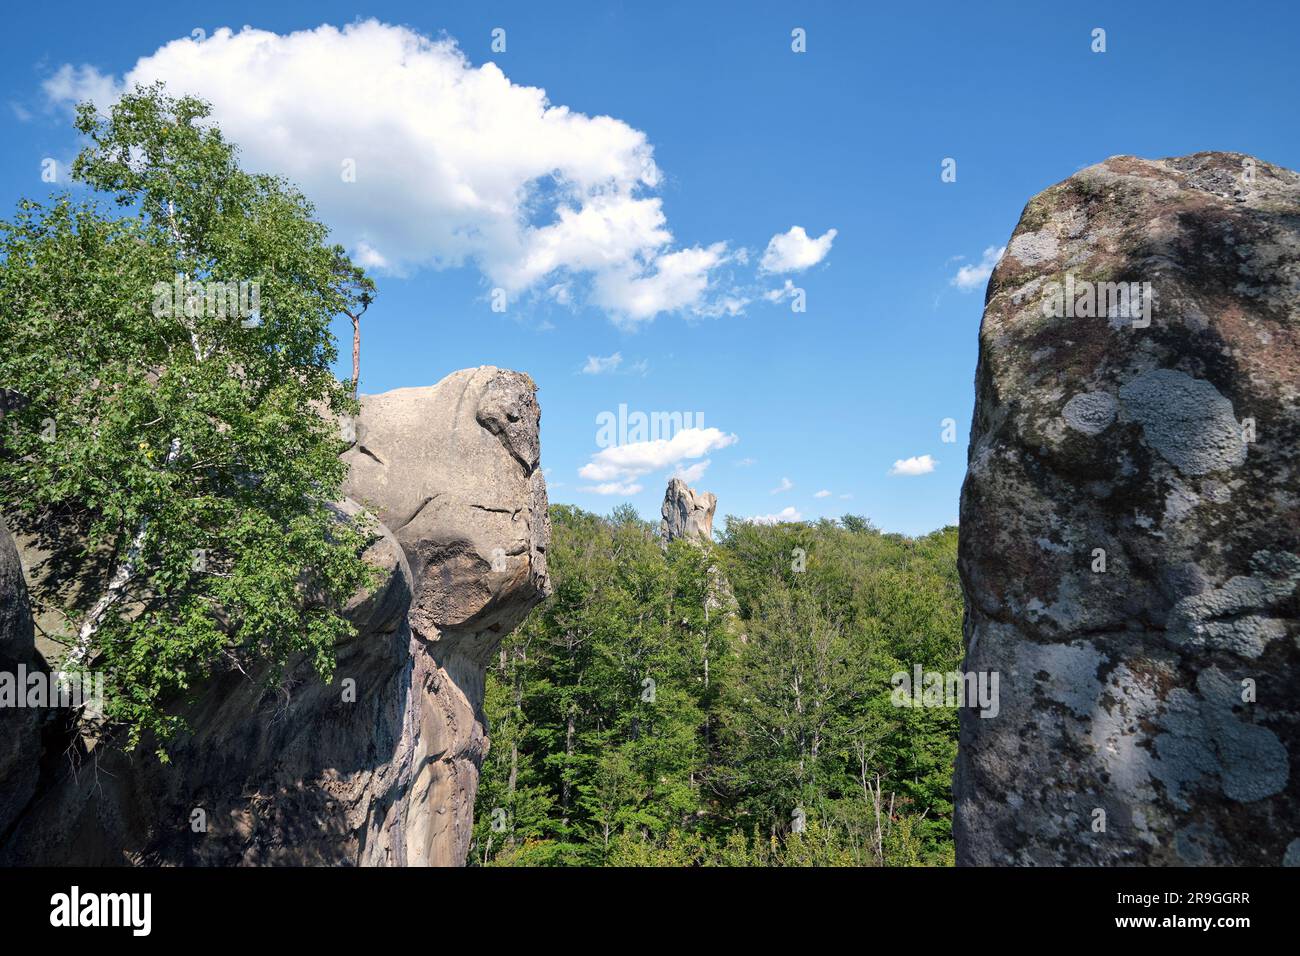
(1185,420)
(1197,844)
(1090,412)
(1205,743)
(1032,248)
(1242,616)
(1067,673)
(1180,502)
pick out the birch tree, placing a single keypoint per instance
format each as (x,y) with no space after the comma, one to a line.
(170,410)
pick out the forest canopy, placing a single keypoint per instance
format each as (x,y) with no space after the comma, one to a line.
(724,705)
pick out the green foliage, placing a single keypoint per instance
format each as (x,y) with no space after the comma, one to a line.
(189,452)
(768,710)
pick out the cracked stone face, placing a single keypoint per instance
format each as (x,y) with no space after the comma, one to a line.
(1130,526)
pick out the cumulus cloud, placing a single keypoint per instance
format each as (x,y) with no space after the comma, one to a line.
(692,473)
(785,514)
(794,251)
(670,282)
(822,494)
(746,462)
(454,164)
(596,365)
(971,277)
(625,463)
(785,485)
(916,465)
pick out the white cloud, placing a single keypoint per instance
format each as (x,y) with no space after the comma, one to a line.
(596,365)
(727,303)
(845,497)
(969,278)
(822,494)
(614,488)
(746,462)
(793,251)
(916,465)
(672,282)
(785,292)
(785,514)
(369,257)
(454,164)
(692,473)
(630,461)
(72,84)
(785,485)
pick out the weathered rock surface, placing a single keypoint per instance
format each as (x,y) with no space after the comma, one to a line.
(309,777)
(687,513)
(1130,525)
(20,739)
(454,471)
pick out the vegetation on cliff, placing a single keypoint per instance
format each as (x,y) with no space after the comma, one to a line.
(163,373)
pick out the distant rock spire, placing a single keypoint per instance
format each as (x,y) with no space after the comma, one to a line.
(687,514)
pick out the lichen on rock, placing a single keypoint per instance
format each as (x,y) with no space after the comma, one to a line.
(1130,523)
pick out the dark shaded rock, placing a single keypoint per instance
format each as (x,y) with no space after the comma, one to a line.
(20,739)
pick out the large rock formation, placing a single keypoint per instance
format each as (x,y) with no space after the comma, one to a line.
(1130,524)
(381,767)
(688,516)
(687,513)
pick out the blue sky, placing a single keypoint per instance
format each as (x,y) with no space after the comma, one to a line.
(745,138)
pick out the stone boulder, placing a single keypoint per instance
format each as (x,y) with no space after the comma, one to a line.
(380,767)
(687,513)
(1130,524)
